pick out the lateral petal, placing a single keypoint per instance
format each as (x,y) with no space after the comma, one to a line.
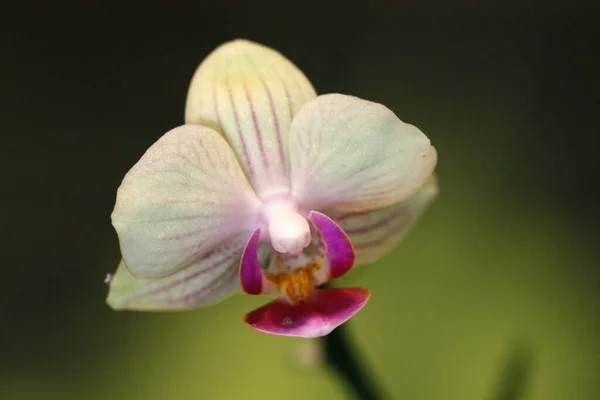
(185,196)
(352,154)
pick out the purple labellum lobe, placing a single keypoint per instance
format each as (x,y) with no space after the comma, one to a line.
(250,270)
(324,311)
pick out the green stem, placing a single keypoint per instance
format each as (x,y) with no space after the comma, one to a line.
(342,357)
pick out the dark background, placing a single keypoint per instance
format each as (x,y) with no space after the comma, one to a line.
(505,259)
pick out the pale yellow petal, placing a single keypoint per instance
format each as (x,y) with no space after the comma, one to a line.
(250,94)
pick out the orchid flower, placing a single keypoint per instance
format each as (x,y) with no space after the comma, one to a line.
(270,188)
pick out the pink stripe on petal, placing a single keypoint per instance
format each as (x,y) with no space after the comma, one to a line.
(207,281)
(374,233)
(208,290)
(349,215)
(249,92)
(257,131)
(340,252)
(326,310)
(282,156)
(250,269)
(386,222)
(240,133)
(220,259)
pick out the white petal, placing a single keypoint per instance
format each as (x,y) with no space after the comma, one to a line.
(375,233)
(185,196)
(207,281)
(352,154)
(250,93)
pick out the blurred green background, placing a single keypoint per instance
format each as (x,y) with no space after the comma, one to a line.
(501,271)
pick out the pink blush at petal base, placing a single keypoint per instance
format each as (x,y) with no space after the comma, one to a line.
(325,310)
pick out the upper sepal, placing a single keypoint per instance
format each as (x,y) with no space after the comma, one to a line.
(250,93)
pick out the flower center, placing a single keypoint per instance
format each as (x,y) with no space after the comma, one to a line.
(289,231)
(294,261)
(297,284)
